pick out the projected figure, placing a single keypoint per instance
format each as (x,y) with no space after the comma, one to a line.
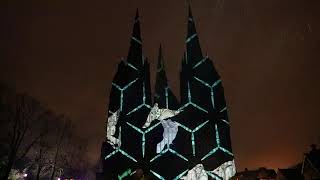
(160,114)
(111,130)
(196,173)
(170,128)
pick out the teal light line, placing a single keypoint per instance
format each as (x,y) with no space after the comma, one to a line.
(159,155)
(190,101)
(137,40)
(191,37)
(157,175)
(120,150)
(214,176)
(176,153)
(124,174)
(200,62)
(143,101)
(126,154)
(210,87)
(132,66)
(181,174)
(225,108)
(218,146)
(225,121)
(167,100)
(143,133)
(123,89)
(217,135)
(192,134)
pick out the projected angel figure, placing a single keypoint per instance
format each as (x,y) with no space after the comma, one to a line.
(170,128)
(111,129)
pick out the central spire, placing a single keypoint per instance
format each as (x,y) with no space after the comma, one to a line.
(163,94)
(193,49)
(135,57)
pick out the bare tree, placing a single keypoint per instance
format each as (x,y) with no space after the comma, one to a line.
(63,133)
(23,117)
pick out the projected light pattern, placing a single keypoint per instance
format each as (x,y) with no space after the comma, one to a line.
(143,101)
(204,113)
(200,62)
(143,140)
(118,149)
(192,103)
(219,147)
(168,149)
(167,97)
(132,66)
(122,90)
(210,87)
(214,176)
(192,134)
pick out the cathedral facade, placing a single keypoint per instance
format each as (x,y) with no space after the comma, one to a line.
(198,135)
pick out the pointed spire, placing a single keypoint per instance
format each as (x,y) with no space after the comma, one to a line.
(163,95)
(135,51)
(194,54)
(160,66)
(161,77)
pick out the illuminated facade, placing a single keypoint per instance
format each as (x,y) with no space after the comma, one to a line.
(196,135)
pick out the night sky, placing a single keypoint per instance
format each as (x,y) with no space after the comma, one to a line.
(65,54)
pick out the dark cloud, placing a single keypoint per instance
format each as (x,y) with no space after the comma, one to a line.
(65,53)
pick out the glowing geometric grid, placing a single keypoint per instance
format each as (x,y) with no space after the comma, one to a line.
(191,103)
(143,101)
(120,150)
(218,146)
(210,87)
(168,149)
(143,141)
(123,89)
(192,134)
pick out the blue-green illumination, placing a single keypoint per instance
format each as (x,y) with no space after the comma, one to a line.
(123,89)
(120,150)
(168,149)
(214,176)
(191,103)
(124,174)
(225,108)
(143,141)
(191,37)
(200,62)
(157,175)
(143,101)
(137,40)
(210,87)
(193,143)
(181,174)
(219,147)
(132,66)
(167,100)
(225,121)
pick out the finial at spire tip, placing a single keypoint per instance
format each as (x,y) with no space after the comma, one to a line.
(137,14)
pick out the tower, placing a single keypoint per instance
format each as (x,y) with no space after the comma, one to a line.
(203,101)
(131,96)
(163,94)
(203,135)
